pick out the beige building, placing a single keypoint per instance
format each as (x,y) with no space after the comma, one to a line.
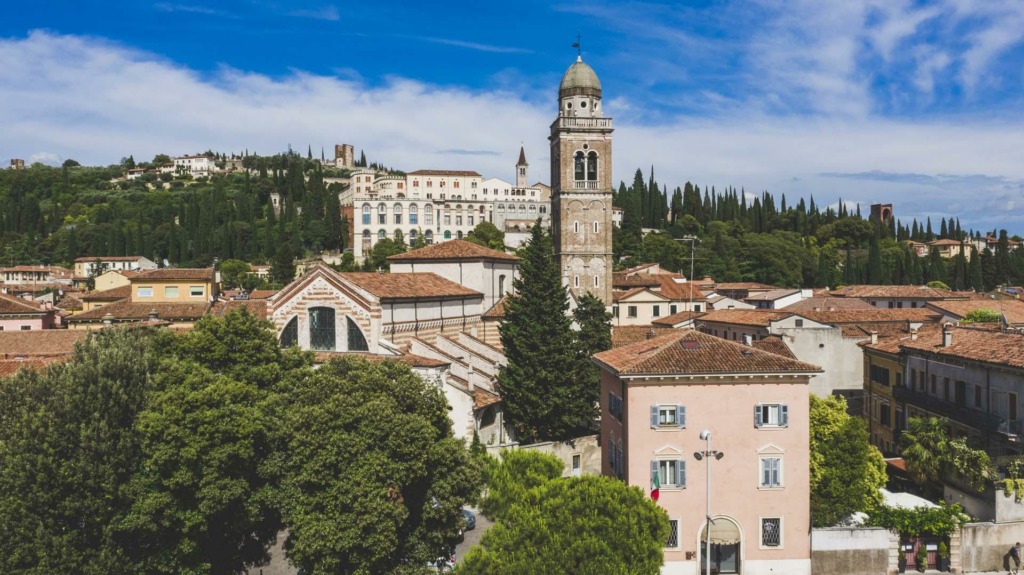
(87,266)
(177,297)
(581,184)
(487,271)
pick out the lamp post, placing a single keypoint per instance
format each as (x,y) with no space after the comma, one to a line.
(694,240)
(708,453)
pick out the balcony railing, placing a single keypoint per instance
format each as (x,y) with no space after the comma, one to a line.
(970,417)
(1013,427)
(574,122)
(585,184)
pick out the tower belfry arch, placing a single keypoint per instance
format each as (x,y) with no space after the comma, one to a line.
(581,183)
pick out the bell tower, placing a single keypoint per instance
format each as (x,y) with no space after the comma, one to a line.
(581,184)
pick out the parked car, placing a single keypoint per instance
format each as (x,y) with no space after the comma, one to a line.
(470,519)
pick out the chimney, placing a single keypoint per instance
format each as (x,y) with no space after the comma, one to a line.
(747,340)
(152,315)
(874,337)
(947,335)
(831,308)
(817,308)
(108,319)
(913,334)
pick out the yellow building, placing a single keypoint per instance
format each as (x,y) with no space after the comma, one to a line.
(883,371)
(173,296)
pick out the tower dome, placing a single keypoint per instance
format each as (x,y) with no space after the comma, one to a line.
(579,80)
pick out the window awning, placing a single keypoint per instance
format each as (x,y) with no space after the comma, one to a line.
(723,532)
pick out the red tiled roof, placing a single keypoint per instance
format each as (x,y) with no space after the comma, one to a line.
(10,305)
(408,286)
(985,346)
(409,359)
(1011,309)
(754,317)
(41,342)
(176,274)
(444,173)
(482,398)
(827,303)
(453,250)
(676,318)
(114,294)
(692,352)
(497,311)
(678,291)
(9,367)
(623,281)
(46,269)
(729,286)
(262,293)
(771,295)
(946,243)
(894,292)
(630,334)
(873,315)
(257,307)
(71,303)
(126,310)
(774,344)
(621,295)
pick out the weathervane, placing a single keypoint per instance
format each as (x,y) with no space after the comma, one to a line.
(576,44)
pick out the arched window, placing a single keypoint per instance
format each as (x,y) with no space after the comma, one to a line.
(592,166)
(414,214)
(447,235)
(356,341)
(575,227)
(456,184)
(382,214)
(290,334)
(398,236)
(412,237)
(398,213)
(522,208)
(366,234)
(459,234)
(501,208)
(366,214)
(382,234)
(481,209)
(428,215)
(321,329)
(580,165)
(533,209)
(429,235)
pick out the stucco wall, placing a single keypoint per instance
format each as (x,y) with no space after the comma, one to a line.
(853,551)
(585,447)
(984,546)
(840,357)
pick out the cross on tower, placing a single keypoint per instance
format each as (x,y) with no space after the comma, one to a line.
(577,44)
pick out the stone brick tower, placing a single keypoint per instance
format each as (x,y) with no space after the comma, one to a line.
(581,184)
(522,170)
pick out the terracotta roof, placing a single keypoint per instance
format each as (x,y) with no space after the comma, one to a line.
(896,462)
(497,311)
(126,310)
(407,358)
(676,318)
(118,293)
(630,334)
(262,293)
(47,269)
(825,303)
(744,285)
(678,291)
(771,295)
(10,305)
(482,398)
(896,292)
(176,274)
(9,367)
(444,173)
(34,288)
(71,303)
(41,342)
(453,250)
(108,259)
(257,307)
(754,317)
(985,346)
(947,243)
(692,352)
(873,315)
(1011,309)
(621,295)
(408,286)
(774,344)
(890,343)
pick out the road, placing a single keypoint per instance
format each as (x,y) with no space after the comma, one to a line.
(472,537)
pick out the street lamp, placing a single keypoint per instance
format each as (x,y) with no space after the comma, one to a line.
(708,453)
(694,240)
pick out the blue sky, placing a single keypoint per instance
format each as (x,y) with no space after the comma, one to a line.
(914,103)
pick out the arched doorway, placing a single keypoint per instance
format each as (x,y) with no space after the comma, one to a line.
(726,540)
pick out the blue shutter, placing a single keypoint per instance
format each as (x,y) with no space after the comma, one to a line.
(680,473)
(654,417)
(784,415)
(681,415)
(757,415)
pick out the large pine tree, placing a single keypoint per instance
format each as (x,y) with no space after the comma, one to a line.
(541,386)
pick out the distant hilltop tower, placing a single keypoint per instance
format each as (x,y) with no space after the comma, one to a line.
(522,170)
(344,156)
(881,212)
(581,184)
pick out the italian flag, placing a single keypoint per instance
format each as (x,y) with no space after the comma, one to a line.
(655,487)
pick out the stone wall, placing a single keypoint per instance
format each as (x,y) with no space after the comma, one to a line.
(853,551)
(984,546)
(586,448)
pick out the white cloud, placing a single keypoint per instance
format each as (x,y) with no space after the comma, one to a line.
(94,101)
(329,13)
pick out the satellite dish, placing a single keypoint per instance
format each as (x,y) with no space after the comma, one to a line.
(167,264)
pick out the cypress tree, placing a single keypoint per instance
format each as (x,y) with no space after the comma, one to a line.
(542,398)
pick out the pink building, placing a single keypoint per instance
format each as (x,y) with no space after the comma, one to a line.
(656,397)
(17,314)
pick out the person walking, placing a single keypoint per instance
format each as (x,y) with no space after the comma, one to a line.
(1015,555)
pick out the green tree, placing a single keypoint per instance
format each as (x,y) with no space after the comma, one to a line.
(846,471)
(540,385)
(982,316)
(924,444)
(579,526)
(233,273)
(487,235)
(376,480)
(593,335)
(377,259)
(282,265)
(67,452)
(510,479)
